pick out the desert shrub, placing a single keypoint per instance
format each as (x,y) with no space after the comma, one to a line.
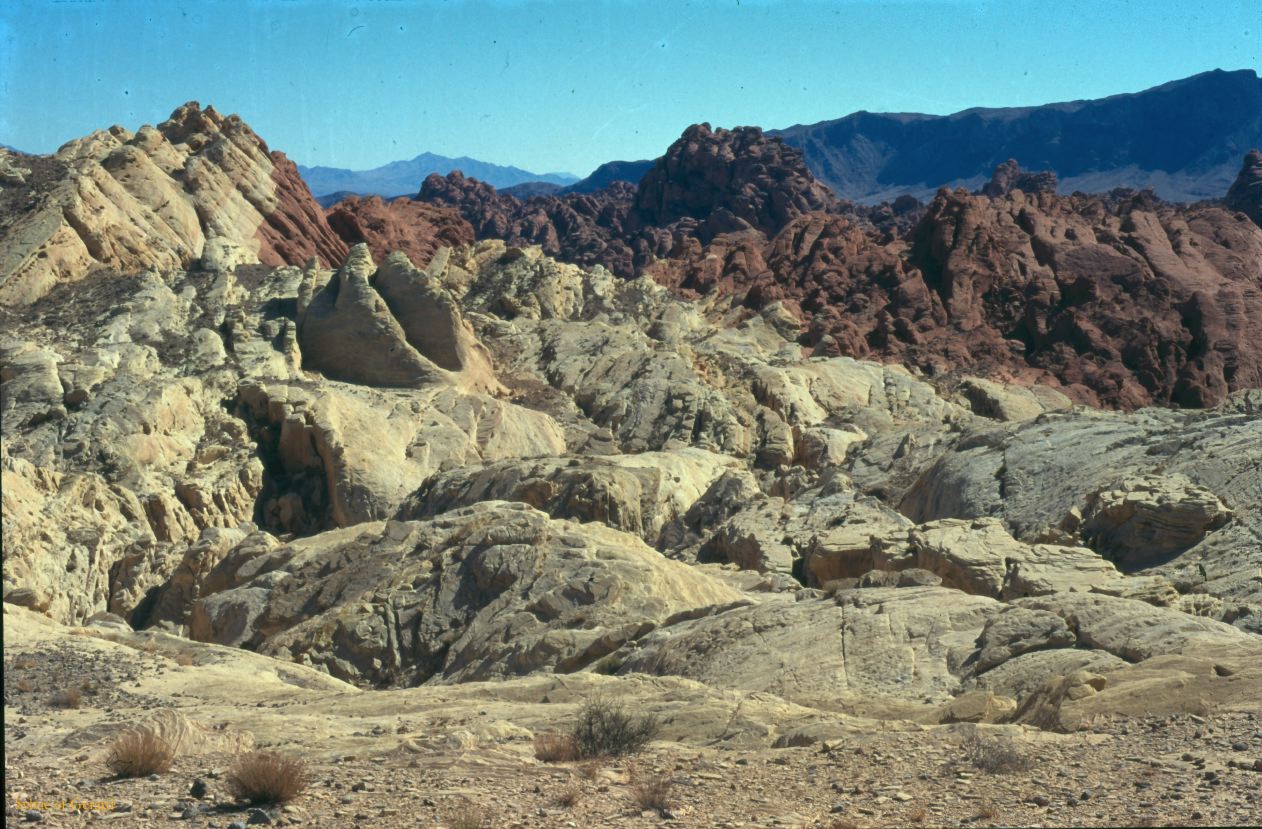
(469,816)
(267,777)
(138,753)
(995,755)
(568,797)
(605,729)
(555,748)
(68,698)
(652,793)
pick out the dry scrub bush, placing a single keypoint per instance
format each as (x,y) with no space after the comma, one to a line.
(988,812)
(139,753)
(995,755)
(605,729)
(68,698)
(555,748)
(267,777)
(470,817)
(652,793)
(918,816)
(568,797)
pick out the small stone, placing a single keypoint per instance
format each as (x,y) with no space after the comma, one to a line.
(33,816)
(1239,746)
(258,817)
(837,809)
(198,789)
(236,824)
(1040,800)
(902,797)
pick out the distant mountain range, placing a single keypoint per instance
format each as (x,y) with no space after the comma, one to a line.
(403,178)
(609,172)
(1184,139)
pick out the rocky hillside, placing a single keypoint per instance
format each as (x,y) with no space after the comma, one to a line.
(197,185)
(1183,139)
(1119,300)
(405,515)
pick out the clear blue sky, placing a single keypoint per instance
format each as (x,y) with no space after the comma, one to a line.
(564,86)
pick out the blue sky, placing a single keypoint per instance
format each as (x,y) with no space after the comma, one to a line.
(564,86)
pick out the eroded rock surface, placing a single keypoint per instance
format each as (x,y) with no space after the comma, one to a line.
(156,198)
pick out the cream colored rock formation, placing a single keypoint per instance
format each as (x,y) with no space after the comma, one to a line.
(161,198)
(503,467)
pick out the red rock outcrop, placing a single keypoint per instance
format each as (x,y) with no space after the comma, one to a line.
(416,228)
(733,180)
(584,228)
(1245,194)
(1143,303)
(1122,299)
(296,229)
(1009,176)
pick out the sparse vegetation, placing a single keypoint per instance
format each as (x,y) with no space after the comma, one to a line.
(24,685)
(140,752)
(918,816)
(469,816)
(569,797)
(652,793)
(267,777)
(987,812)
(590,770)
(605,729)
(551,747)
(995,755)
(67,698)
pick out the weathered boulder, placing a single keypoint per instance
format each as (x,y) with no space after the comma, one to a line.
(482,592)
(639,494)
(389,326)
(1143,520)
(896,645)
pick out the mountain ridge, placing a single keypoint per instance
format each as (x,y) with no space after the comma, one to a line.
(404,177)
(1183,138)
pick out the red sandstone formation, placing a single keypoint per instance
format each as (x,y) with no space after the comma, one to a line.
(416,228)
(1122,299)
(1245,194)
(296,230)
